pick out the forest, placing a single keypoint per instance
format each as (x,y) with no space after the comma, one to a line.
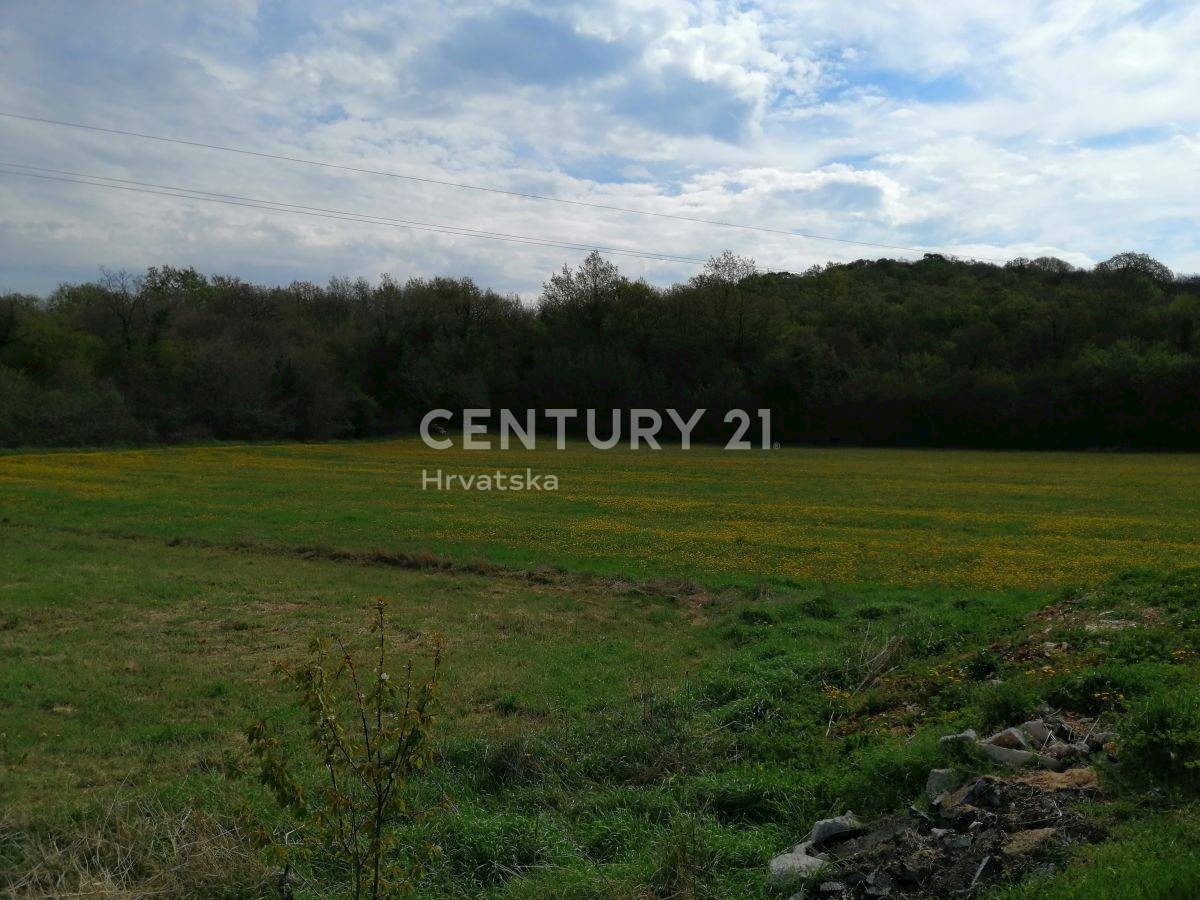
(936,352)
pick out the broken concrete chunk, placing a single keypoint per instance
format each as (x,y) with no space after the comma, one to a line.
(966,737)
(964,815)
(804,859)
(1037,730)
(844,826)
(1056,748)
(1010,738)
(948,837)
(795,865)
(938,782)
(1007,757)
(1064,733)
(1060,750)
(975,790)
(977,828)
(1019,759)
(970,803)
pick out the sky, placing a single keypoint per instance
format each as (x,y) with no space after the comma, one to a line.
(979,129)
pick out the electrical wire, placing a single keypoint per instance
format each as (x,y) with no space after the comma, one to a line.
(461,185)
(185,193)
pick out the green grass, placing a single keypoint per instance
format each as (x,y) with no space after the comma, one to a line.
(123,657)
(600,734)
(565,723)
(792,517)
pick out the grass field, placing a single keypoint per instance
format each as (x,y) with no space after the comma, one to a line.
(796,516)
(605,730)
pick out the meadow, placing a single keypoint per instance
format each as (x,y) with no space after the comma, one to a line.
(792,517)
(641,669)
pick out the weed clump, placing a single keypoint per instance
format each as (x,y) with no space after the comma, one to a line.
(368,734)
(1005,703)
(133,847)
(489,848)
(1160,739)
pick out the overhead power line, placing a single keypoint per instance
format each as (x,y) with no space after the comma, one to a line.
(463,185)
(267,205)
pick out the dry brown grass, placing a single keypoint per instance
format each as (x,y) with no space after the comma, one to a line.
(133,848)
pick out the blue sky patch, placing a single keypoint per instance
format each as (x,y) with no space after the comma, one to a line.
(523,48)
(676,103)
(1128,137)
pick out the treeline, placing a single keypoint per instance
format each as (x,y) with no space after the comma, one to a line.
(1035,353)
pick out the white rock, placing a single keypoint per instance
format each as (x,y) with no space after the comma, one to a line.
(795,865)
(966,737)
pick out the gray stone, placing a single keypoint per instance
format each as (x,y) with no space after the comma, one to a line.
(1059,750)
(1037,730)
(1019,759)
(1006,757)
(1010,738)
(832,887)
(795,865)
(846,825)
(966,737)
(938,782)
(1064,733)
(959,805)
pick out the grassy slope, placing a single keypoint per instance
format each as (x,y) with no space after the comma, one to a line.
(130,658)
(136,662)
(133,663)
(988,520)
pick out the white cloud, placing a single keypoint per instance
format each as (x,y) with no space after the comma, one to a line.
(980,128)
